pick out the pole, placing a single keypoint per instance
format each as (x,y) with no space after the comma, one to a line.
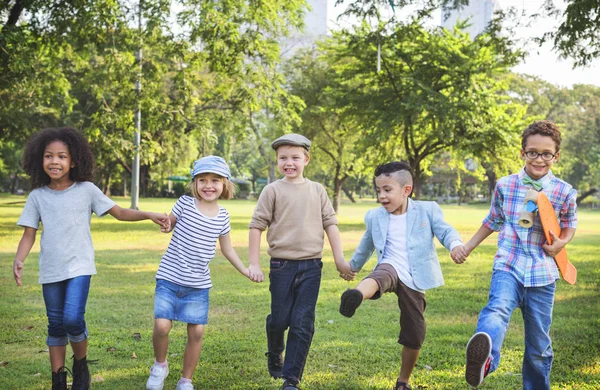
(135,174)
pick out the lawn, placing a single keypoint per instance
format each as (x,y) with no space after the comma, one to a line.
(357,353)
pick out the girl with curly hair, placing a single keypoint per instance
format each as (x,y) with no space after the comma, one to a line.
(60,164)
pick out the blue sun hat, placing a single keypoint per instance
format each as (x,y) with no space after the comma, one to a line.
(211,164)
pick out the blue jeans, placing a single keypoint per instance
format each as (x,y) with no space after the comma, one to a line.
(536,303)
(65,307)
(294,291)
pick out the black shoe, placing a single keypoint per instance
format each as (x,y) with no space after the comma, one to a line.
(351,300)
(81,375)
(59,379)
(289,386)
(275,365)
(401,386)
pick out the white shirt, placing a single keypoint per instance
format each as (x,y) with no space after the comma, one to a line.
(396,253)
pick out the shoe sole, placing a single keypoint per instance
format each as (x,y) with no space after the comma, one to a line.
(276,374)
(479,350)
(351,300)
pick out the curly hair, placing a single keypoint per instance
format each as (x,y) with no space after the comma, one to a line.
(79,149)
(545,128)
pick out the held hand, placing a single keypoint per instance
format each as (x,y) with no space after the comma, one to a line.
(459,254)
(345,270)
(166,226)
(160,219)
(18,271)
(557,245)
(255,274)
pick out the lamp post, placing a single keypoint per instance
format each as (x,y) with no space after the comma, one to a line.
(135,170)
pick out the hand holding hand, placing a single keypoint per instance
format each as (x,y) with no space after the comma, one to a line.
(557,245)
(162,220)
(345,270)
(255,274)
(459,254)
(18,271)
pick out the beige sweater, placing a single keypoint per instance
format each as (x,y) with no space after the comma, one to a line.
(296,215)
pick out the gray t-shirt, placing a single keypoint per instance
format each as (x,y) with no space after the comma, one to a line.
(66,249)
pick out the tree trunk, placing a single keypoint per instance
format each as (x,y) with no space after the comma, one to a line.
(492,178)
(349,195)
(585,195)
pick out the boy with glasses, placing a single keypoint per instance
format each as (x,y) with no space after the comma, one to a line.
(524,273)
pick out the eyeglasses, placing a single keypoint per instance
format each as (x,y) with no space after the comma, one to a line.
(546,156)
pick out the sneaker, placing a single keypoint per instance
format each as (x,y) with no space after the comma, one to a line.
(351,300)
(289,386)
(158,373)
(59,379)
(275,365)
(401,386)
(184,385)
(81,375)
(479,357)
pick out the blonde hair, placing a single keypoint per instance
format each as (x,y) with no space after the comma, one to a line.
(306,152)
(229,188)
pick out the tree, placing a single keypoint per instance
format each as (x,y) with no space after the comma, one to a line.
(578,35)
(437,90)
(326,119)
(72,63)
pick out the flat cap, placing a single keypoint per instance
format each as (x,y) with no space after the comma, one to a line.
(292,139)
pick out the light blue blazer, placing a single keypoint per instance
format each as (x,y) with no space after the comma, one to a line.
(424,221)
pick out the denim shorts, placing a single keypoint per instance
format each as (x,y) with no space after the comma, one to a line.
(180,303)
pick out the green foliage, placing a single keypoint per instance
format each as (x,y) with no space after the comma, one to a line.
(205,64)
(436,91)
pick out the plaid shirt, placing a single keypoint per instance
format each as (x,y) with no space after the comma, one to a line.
(520,249)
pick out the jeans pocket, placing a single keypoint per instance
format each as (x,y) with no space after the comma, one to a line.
(277,265)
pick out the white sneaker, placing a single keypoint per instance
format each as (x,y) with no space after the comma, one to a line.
(184,386)
(158,373)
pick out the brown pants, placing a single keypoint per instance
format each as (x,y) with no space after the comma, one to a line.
(411,303)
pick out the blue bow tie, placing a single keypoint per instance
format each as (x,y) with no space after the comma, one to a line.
(535,184)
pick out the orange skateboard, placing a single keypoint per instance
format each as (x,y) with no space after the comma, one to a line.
(538,201)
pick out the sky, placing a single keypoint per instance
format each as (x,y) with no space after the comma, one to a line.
(541,61)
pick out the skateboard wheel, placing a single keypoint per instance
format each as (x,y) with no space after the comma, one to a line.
(526,219)
(531,195)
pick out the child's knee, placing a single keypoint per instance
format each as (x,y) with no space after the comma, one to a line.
(195,333)
(74,325)
(162,327)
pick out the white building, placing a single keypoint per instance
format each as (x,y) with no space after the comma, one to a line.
(478,13)
(315,27)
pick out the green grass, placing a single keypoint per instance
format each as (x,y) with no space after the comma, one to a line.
(357,353)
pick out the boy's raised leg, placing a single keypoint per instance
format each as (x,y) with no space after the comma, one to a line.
(479,352)
(351,299)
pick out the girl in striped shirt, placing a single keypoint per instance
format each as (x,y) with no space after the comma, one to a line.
(183,277)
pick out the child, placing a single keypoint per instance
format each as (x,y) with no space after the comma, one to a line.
(524,273)
(296,211)
(59,162)
(401,232)
(183,277)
